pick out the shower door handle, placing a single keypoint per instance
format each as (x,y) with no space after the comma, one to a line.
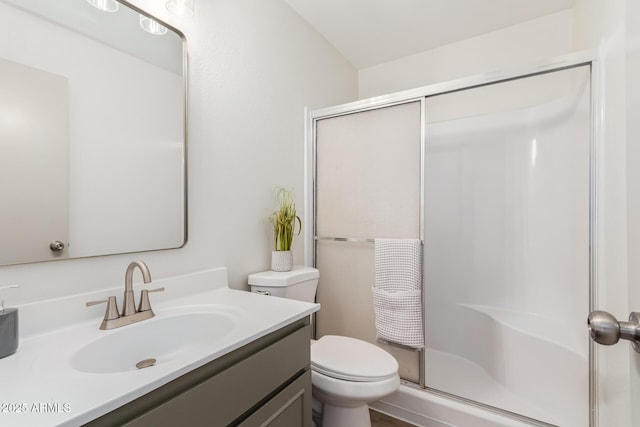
(606,330)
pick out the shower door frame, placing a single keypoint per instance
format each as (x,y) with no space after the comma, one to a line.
(421,94)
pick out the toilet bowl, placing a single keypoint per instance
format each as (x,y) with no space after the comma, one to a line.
(346,373)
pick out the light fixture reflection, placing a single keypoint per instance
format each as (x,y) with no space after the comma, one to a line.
(105,5)
(151,26)
(182,8)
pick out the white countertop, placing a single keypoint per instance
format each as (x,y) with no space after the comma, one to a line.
(40,387)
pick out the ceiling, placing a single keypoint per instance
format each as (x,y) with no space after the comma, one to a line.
(370,32)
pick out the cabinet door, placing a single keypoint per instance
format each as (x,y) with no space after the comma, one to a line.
(290,407)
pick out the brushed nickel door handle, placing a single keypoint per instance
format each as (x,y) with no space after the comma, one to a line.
(606,330)
(56,246)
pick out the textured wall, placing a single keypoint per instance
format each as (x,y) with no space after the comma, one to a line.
(524,43)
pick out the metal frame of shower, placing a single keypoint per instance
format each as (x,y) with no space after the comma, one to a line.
(587,58)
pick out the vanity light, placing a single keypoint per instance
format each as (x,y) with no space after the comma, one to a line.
(151,26)
(182,8)
(105,5)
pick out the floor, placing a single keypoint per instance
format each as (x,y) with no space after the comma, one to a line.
(382,420)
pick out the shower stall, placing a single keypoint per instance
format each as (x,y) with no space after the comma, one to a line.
(495,175)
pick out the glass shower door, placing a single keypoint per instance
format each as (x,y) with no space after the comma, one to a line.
(367,186)
(506,251)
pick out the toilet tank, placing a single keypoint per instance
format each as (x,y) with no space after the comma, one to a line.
(300,283)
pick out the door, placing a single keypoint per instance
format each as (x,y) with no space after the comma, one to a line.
(367,187)
(506,249)
(633,187)
(34,176)
(619,365)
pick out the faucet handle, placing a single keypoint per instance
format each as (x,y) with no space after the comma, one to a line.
(112,307)
(145,305)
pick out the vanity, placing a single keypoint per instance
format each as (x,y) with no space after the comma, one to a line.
(266,382)
(222,357)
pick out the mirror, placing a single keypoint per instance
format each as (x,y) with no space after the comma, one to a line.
(92,131)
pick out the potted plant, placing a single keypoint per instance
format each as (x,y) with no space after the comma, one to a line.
(284,221)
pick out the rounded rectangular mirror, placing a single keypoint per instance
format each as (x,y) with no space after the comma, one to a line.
(92,131)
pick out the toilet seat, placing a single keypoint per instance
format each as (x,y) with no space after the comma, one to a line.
(351,359)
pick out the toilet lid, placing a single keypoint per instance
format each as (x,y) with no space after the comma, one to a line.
(351,359)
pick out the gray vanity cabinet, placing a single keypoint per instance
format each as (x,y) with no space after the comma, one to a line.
(264,383)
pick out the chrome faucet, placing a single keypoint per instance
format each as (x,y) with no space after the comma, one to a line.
(112,318)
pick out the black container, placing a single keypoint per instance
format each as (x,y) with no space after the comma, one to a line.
(8,331)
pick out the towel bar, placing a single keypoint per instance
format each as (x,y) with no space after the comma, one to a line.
(350,239)
(346,239)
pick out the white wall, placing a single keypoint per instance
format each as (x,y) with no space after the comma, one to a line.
(253,66)
(524,43)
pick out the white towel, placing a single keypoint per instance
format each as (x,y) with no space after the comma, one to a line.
(397,293)
(398,264)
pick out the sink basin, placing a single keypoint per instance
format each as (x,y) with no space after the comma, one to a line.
(170,338)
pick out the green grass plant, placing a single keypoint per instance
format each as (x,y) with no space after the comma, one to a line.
(284,220)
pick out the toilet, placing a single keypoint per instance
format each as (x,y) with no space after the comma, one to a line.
(346,373)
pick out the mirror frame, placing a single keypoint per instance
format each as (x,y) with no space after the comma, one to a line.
(184,160)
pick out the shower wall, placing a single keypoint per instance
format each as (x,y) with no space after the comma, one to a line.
(501,193)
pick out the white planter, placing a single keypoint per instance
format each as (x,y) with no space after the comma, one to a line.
(281,260)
